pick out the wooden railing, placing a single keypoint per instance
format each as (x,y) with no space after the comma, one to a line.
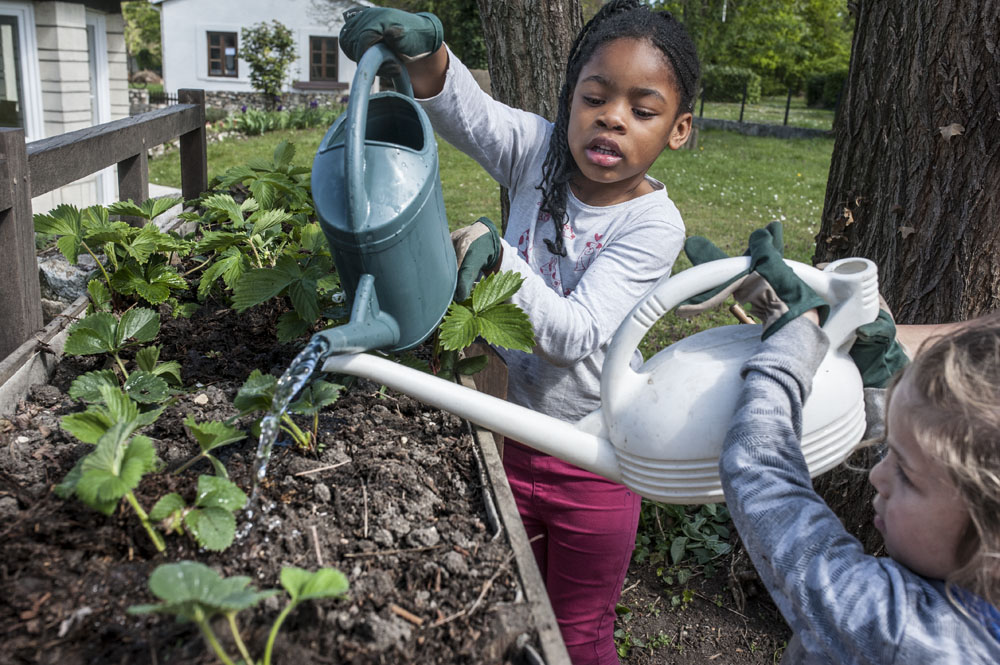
(29,170)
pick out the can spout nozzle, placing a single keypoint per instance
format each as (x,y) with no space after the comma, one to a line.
(369,328)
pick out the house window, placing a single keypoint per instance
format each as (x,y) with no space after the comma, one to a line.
(323,58)
(222,54)
(11,110)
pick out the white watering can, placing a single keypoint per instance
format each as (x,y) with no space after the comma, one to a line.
(660,430)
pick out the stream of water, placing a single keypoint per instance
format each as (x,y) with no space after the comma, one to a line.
(291,382)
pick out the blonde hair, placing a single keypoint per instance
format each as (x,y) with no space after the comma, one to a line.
(958,376)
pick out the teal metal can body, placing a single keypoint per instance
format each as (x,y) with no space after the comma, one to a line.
(377,193)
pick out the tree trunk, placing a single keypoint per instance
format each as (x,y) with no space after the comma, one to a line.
(527,45)
(915,179)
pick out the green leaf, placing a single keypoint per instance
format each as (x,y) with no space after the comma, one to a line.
(303,585)
(94,333)
(61,220)
(126,209)
(225,204)
(100,297)
(211,435)
(120,406)
(167,506)
(459,328)
(291,325)
(303,295)
(138,323)
(146,357)
(87,386)
(495,289)
(69,246)
(170,371)
(256,393)
(214,241)
(257,286)
(678,549)
(216,492)
(142,246)
(156,207)
(213,528)
(146,388)
(508,326)
(283,154)
(188,585)
(88,426)
(316,396)
(263,220)
(101,484)
(473,365)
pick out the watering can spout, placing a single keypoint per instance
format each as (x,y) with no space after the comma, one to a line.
(369,327)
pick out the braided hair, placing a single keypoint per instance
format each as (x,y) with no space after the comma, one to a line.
(616,20)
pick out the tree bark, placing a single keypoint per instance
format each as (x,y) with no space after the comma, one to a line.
(914,182)
(527,45)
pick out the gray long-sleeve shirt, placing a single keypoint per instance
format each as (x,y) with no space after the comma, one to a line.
(614,254)
(844,606)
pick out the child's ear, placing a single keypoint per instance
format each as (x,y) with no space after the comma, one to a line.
(681,131)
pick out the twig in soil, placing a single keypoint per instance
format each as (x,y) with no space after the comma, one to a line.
(322,468)
(364,493)
(352,555)
(319,555)
(627,589)
(482,594)
(709,600)
(406,614)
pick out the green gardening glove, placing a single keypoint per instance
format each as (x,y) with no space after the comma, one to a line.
(478,251)
(785,296)
(702,250)
(876,352)
(409,36)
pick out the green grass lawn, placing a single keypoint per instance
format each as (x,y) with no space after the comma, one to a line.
(770,111)
(731,185)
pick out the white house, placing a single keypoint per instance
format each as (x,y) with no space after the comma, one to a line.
(201,43)
(63,68)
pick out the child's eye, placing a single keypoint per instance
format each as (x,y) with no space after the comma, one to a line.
(643,113)
(593,101)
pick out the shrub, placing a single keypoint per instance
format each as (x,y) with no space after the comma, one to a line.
(723,83)
(213,114)
(269,50)
(823,90)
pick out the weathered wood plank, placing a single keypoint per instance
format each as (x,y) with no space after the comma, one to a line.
(133,182)
(20,294)
(194,156)
(62,159)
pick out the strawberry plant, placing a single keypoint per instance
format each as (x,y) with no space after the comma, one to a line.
(256,395)
(194,592)
(103,332)
(211,520)
(484,314)
(118,462)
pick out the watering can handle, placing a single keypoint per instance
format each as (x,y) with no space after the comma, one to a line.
(850,286)
(357,122)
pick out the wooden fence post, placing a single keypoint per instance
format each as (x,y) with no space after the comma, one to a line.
(20,294)
(133,181)
(194,158)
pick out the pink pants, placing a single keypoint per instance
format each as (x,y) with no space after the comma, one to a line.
(587,526)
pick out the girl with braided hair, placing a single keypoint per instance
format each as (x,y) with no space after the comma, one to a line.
(591,233)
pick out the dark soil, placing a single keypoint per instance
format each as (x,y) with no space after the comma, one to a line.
(394,500)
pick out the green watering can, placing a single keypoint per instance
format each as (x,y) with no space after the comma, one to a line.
(378,196)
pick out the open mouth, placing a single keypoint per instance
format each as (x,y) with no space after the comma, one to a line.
(603,153)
